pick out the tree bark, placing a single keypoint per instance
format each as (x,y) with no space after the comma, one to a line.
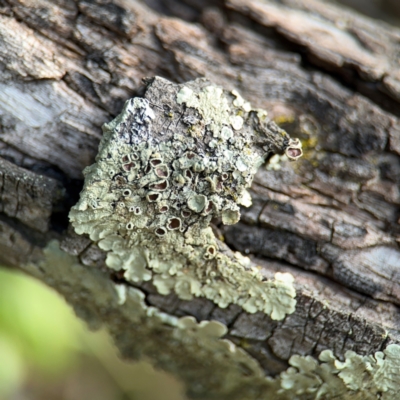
(325,74)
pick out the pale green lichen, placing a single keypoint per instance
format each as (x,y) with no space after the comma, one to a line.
(181,346)
(245,199)
(149,198)
(211,103)
(211,366)
(274,163)
(357,377)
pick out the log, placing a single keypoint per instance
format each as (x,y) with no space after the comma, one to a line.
(324,73)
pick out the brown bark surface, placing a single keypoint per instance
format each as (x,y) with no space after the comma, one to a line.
(326,74)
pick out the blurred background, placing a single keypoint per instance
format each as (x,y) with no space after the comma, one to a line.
(51,355)
(46,353)
(386,10)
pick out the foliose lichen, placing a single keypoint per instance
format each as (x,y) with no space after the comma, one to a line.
(193,351)
(169,164)
(357,377)
(223,370)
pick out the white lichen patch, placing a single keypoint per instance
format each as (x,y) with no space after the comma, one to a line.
(245,199)
(167,165)
(274,163)
(210,102)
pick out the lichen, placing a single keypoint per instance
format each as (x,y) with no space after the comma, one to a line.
(357,377)
(196,352)
(210,365)
(169,164)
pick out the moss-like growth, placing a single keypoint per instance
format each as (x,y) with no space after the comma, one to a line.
(167,165)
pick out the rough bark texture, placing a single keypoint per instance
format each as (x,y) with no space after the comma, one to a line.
(325,74)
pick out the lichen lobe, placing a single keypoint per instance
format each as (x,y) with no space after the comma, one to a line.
(357,377)
(167,165)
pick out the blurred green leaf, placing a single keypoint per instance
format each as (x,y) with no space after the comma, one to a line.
(11,367)
(42,328)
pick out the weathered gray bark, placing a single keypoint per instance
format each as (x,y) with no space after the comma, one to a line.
(327,75)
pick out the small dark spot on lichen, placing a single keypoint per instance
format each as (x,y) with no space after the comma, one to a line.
(120,180)
(159,185)
(162,171)
(294,153)
(174,223)
(128,167)
(210,252)
(153,197)
(186,213)
(155,162)
(209,207)
(160,231)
